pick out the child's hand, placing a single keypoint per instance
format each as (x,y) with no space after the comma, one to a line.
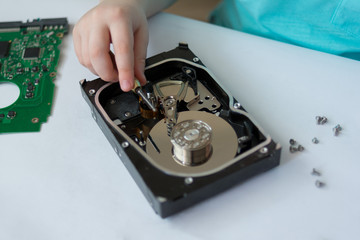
(122,23)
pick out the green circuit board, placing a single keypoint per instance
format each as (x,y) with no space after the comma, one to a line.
(29,55)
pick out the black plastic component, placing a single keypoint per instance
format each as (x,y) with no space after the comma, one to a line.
(31,53)
(4,48)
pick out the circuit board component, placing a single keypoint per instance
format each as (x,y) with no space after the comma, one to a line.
(28,58)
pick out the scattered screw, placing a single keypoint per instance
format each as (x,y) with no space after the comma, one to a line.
(293,149)
(315,172)
(292,141)
(300,148)
(321,120)
(315,140)
(319,184)
(337,129)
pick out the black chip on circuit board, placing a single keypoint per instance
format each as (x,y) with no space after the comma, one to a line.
(4,48)
(31,53)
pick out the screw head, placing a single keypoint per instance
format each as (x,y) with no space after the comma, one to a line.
(188,180)
(237,105)
(264,150)
(292,141)
(196,59)
(92,92)
(125,144)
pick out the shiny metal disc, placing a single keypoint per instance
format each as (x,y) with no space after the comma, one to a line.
(223,141)
(191,140)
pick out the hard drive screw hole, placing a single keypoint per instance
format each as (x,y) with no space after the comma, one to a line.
(207,97)
(264,150)
(92,92)
(237,105)
(125,144)
(189,180)
(195,59)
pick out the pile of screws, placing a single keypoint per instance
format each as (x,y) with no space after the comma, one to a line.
(293,148)
(322,120)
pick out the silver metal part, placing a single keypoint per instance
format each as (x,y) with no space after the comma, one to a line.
(315,172)
(191,140)
(223,143)
(145,99)
(315,140)
(264,150)
(237,105)
(292,141)
(337,129)
(188,180)
(92,92)
(300,148)
(319,184)
(203,100)
(196,59)
(125,144)
(293,149)
(320,120)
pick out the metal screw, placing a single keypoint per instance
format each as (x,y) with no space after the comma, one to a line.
(92,92)
(293,149)
(125,144)
(315,172)
(337,129)
(127,114)
(189,180)
(237,105)
(243,139)
(264,150)
(196,59)
(321,120)
(319,184)
(300,148)
(315,140)
(292,141)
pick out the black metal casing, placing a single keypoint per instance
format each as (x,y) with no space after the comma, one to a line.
(166,193)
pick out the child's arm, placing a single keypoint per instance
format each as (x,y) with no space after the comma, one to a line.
(122,23)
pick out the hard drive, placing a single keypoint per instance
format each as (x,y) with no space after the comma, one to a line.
(182,137)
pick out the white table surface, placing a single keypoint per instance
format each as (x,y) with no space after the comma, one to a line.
(66,182)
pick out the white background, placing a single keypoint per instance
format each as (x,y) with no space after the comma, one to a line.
(66,182)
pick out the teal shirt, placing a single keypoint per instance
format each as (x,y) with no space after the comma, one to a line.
(331,26)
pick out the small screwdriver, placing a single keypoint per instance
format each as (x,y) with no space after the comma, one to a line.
(137,89)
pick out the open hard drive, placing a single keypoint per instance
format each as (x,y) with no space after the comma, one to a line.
(185,138)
